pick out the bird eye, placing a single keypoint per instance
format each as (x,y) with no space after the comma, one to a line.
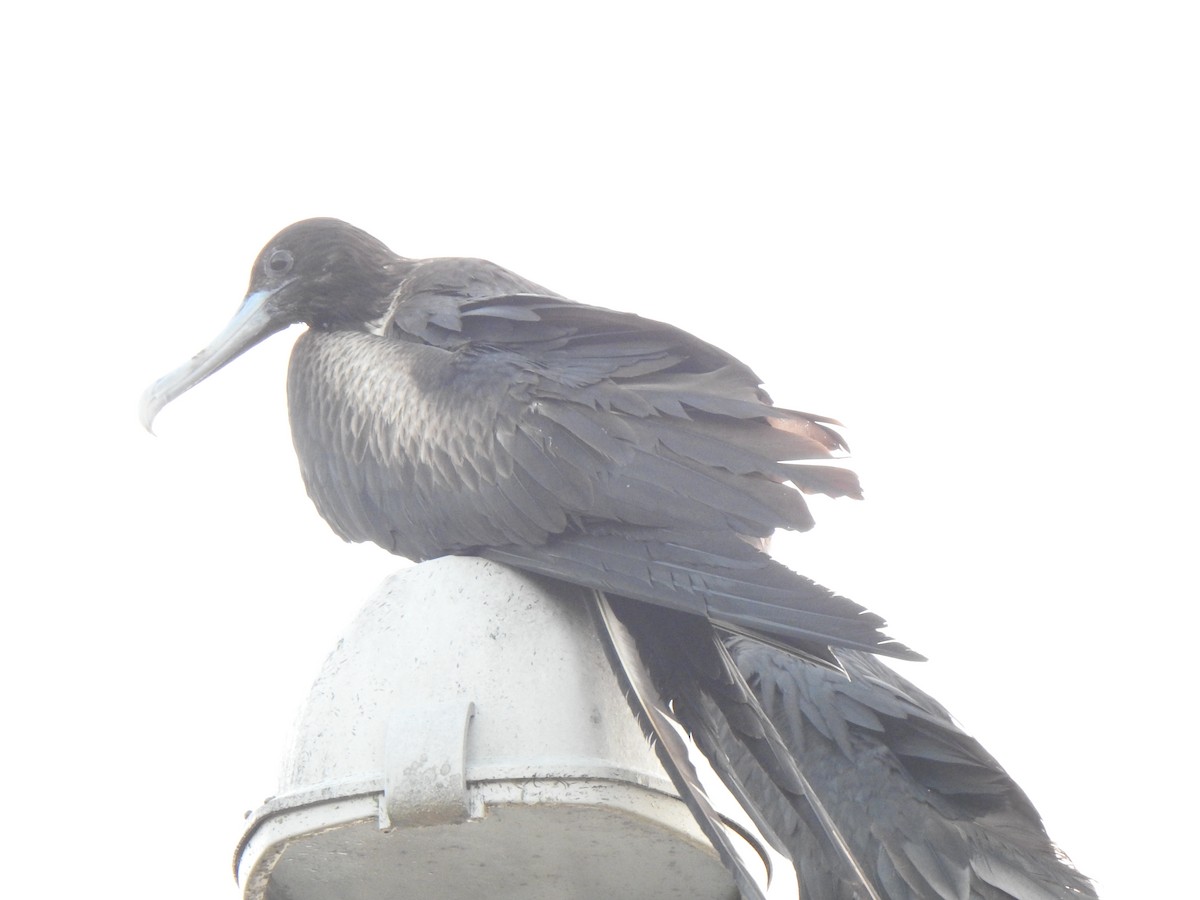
(279,262)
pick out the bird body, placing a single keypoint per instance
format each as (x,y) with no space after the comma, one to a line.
(449,406)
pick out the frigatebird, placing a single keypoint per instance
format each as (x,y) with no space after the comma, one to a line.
(449,406)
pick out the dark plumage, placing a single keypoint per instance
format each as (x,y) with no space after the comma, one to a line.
(448,406)
(931,813)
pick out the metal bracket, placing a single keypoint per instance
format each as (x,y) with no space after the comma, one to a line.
(425,752)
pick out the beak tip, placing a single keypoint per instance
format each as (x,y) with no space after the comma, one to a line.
(148,408)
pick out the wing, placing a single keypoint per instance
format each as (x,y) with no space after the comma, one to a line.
(922,802)
(668,409)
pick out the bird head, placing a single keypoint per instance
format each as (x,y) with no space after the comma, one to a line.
(322,272)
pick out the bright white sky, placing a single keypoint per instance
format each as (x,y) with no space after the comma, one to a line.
(969,233)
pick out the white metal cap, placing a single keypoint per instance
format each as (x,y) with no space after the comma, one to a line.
(468,738)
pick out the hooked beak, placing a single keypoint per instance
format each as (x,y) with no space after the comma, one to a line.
(254,321)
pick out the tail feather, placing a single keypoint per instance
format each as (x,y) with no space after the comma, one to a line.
(691,666)
(927,809)
(653,711)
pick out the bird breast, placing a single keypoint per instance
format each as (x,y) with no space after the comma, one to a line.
(388,454)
